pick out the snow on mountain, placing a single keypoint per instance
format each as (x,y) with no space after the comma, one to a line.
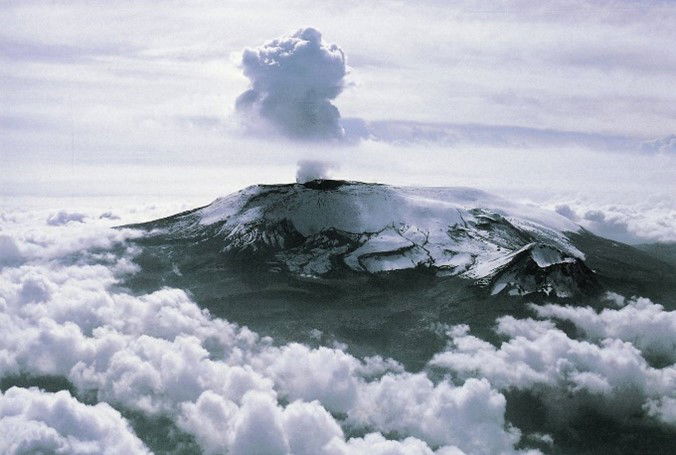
(362,207)
(325,226)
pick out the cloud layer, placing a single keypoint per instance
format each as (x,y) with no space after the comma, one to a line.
(641,222)
(647,325)
(293,81)
(604,371)
(160,355)
(32,421)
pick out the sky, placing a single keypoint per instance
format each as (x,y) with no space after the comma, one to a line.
(558,103)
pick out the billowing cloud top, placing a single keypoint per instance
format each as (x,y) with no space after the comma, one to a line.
(293,80)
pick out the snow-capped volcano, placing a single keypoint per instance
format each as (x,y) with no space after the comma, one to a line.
(325,227)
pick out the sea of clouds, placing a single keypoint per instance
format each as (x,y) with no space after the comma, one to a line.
(159,354)
(64,313)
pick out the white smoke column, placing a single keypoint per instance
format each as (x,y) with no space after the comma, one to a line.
(293,80)
(309,170)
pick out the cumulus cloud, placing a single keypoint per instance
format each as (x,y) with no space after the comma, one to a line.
(293,81)
(376,444)
(628,223)
(567,211)
(663,409)
(607,374)
(645,324)
(63,217)
(309,170)
(609,225)
(26,238)
(470,416)
(109,215)
(9,251)
(258,428)
(32,421)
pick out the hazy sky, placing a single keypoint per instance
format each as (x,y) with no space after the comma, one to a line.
(558,102)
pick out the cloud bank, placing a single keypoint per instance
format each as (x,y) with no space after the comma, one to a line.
(32,421)
(293,81)
(162,356)
(641,222)
(604,371)
(9,251)
(647,325)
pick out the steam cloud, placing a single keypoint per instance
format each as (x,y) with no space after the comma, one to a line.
(293,80)
(309,170)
